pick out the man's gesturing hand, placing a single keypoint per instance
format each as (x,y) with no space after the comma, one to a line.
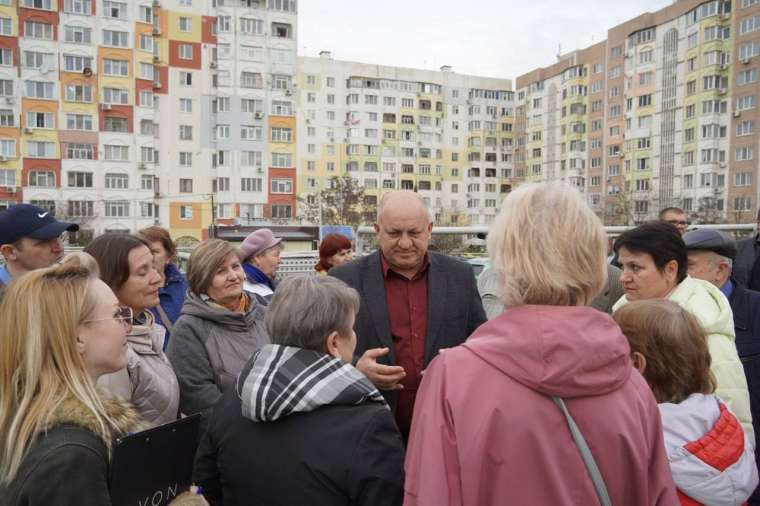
(385,377)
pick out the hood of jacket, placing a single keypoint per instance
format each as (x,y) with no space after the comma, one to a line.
(711,458)
(705,301)
(238,322)
(556,350)
(279,381)
(72,411)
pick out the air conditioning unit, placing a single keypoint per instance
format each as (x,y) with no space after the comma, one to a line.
(156,84)
(332,139)
(723,66)
(308,122)
(722,165)
(212,64)
(10,189)
(142,166)
(288,93)
(745,60)
(258,115)
(10,100)
(156,30)
(3,158)
(156,59)
(259,170)
(156,4)
(27,130)
(737,114)
(722,91)
(105,107)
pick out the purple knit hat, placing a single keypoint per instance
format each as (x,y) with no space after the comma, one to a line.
(256,242)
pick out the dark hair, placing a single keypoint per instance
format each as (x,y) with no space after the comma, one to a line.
(674,345)
(670,210)
(159,234)
(111,251)
(660,240)
(330,245)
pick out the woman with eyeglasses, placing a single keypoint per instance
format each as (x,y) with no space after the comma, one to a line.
(148,381)
(61,329)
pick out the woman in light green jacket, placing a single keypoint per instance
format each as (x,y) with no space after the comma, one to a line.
(654,259)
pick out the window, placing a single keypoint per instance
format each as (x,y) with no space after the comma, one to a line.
(80,152)
(251,105)
(36,60)
(6,57)
(282,134)
(115,38)
(645,100)
(78,34)
(186,105)
(39,89)
(746,102)
(8,147)
(282,108)
(744,153)
(222,131)
(282,160)
(251,158)
(743,203)
(83,7)
(146,14)
(78,122)
(112,9)
(186,185)
(749,24)
(39,120)
(645,56)
(746,77)
(281,211)
(148,154)
(252,26)
(117,181)
(280,82)
(117,208)
(185,24)
(7,118)
(116,153)
(250,184)
(251,80)
(186,212)
(186,51)
(37,30)
(115,96)
(281,30)
(7,177)
(116,67)
(743,179)
(40,149)
(42,179)
(185,159)
(745,128)
(282,186)
(146,42)
(251,133)
(80,179)
(185,132)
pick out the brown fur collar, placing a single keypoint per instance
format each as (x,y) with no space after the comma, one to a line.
(72,411)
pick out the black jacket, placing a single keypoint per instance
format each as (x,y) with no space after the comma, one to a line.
(335,455)
(455,309)
(69,464)
(745,304)
(744,263)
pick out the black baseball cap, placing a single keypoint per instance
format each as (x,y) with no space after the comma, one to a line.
(27,220)
(711,240)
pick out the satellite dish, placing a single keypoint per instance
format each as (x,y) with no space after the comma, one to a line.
(44,69)
(87,72)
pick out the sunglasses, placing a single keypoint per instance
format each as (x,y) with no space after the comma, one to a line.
(122,313)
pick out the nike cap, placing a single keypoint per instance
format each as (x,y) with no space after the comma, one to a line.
(27,220)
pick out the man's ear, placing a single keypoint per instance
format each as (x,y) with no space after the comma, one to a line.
(8,251)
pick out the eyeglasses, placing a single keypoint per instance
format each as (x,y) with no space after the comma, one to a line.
(679,222)
(123,313)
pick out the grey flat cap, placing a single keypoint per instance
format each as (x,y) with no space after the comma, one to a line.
(711,240)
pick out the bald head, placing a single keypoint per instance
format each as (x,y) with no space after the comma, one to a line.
(403,231)
(404,203)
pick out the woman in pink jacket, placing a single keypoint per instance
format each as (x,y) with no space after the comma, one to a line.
(488,426)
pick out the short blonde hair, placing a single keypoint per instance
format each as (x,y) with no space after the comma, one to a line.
(550,247)
(204,261)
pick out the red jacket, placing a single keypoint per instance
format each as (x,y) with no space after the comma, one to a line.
(486,432)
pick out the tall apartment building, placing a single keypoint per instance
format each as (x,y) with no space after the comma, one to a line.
(446,135)
(121,114)
(664,112)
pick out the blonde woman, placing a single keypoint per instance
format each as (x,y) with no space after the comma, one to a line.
(486,429)
(55,428)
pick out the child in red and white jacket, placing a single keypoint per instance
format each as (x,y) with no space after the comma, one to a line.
(711,458)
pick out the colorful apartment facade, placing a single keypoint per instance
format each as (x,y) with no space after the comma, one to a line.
(446,135)
(662,113)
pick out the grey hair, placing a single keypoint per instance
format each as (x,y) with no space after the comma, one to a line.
(717,259)
(428,212)
(306,309)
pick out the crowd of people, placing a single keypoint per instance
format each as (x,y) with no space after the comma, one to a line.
(394,378)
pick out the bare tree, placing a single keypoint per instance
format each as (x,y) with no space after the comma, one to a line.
(343,202)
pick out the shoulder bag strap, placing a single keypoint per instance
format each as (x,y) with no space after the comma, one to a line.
(585,451)
(165,321)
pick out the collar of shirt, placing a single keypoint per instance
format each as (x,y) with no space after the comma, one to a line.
(387,268)
(727,288)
